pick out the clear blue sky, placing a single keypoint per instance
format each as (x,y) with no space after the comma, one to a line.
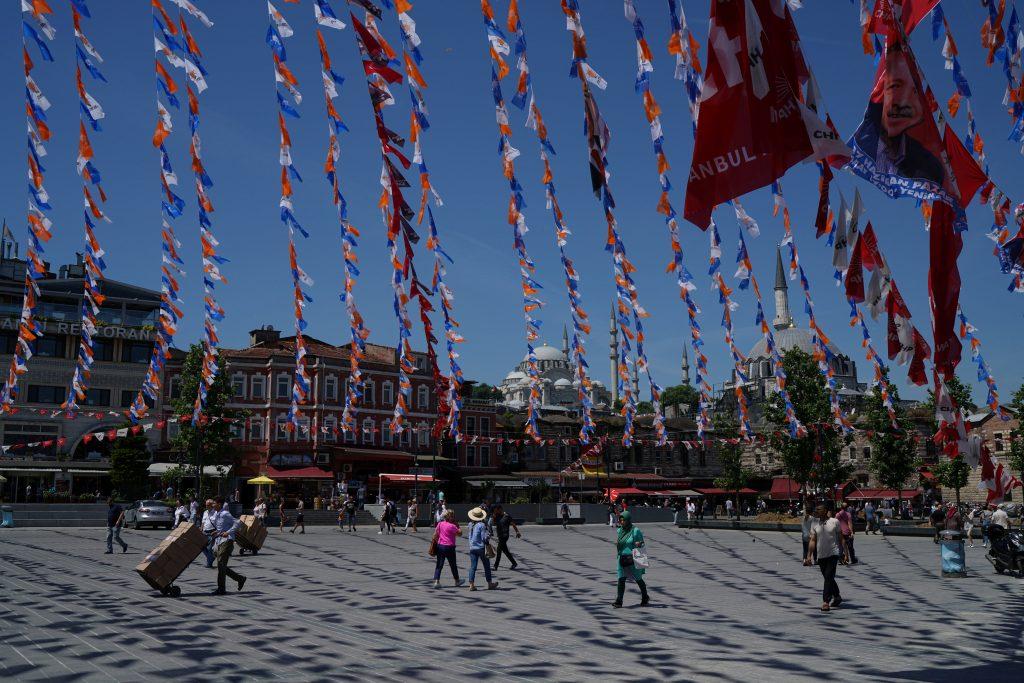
(241,148)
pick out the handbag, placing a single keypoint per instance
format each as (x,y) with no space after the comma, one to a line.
(626,560)
(640,559)
(489,550)
(432,550)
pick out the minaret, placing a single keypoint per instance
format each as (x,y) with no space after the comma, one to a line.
(783,318)
(636,380)
(686,366)
(613,353)
(565,341)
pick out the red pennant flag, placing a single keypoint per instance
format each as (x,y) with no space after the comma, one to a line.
(855,273)
(944,287)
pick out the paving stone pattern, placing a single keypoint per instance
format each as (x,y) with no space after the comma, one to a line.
(727,605)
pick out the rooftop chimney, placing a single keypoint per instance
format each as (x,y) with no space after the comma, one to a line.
(264,336)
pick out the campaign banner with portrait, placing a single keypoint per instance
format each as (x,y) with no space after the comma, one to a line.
(898,147)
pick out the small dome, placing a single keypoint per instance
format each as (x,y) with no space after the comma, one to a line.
(597,383)
(514,375)
(563,383)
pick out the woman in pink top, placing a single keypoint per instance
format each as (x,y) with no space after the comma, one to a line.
(445,534)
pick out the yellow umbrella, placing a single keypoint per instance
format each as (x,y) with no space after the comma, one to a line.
(262,479)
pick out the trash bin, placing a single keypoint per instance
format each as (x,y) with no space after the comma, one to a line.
(6,517)
(952,556)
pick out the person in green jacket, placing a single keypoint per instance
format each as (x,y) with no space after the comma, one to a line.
(629,538)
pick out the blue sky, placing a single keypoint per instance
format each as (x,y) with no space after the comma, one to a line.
(240,149)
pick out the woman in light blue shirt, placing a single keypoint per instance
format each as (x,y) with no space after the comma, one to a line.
(478,538)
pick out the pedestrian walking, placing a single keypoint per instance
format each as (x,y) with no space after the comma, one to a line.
(501,525)
(115,521)
(385,517)
(691,510)
(805,530)
(870,526)
(629,539)
(986,522)
(443,545)
(565,515)
(193,511)
(728,508)
(350,512)
(260,511)
(225,526)
(208,526)
(180,514)
(1000,518)
(611,513)
(845,519)
(479,544)
(972,518)
(281,517)
(411,512)
(299,519)
(828,547)
(677,507)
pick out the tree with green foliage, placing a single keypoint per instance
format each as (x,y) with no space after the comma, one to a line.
(129,466)
(209,442)
(733,475)
(814,458)
(1016,459)
(644,408)
(482,391)
(952,473)
(681,395)
(893,453)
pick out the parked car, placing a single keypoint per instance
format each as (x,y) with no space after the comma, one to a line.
(152,513)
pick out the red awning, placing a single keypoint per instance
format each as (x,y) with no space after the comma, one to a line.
(614,494)
(927,475)
(784,488)
(722,492)
(300,473)
(878,494)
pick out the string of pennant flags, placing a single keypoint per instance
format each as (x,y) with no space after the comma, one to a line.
(40,227)
(885,25)
(525,96)
(90,111)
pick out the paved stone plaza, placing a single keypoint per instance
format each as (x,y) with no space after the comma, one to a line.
(726,605)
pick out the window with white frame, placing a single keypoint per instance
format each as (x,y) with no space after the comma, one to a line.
(485,426)
(284,386)
(485,456)
(330,424)
(350,435)
(256,429)
(423,397)
(422,434)
(236,431)
(997,442)
(421,363)
(368,427)
(174,387)
(258,387)
(386,436)
(238,385)
(470,456)
(331,388)
(407,437)
(368,392)
(302,432)
(470,425)
(387,394)
(281,433)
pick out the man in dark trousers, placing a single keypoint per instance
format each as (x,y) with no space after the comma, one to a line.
(350,512)
(828,546)
(501,525)
(225,526)
(565,515)
(115,520)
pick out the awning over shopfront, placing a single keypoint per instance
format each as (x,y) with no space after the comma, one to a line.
(615,494)
(98,473)
(300,473)
(374,455)
(30,470)
(784,488)
(398,478)
(157,469)
(723,492)
(677,493)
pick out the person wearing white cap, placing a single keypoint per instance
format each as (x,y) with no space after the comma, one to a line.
(479,537)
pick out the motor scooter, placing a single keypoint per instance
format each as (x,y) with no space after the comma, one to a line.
(1006,549)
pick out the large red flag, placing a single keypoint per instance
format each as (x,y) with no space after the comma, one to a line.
(911,14)
(752,125)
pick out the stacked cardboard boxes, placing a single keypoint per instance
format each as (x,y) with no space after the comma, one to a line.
(169,559)
(251,533)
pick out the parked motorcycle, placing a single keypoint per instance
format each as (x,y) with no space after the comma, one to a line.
(1006,549)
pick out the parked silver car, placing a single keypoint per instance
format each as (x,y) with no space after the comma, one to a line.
(152,513)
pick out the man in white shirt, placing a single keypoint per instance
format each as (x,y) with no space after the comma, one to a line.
(209,527)
(728,508)
(826,543)
(193,510)
(1000,517)
(225,526)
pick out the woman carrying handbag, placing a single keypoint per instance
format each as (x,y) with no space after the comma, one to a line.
(480,548)
(632,560)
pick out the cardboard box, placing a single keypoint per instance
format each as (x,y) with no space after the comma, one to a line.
(251,533)
(168,560)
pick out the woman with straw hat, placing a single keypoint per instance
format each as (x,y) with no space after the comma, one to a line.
(629,539)
(479,537)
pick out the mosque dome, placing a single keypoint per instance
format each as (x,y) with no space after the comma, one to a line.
(786,339)
(546,352)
